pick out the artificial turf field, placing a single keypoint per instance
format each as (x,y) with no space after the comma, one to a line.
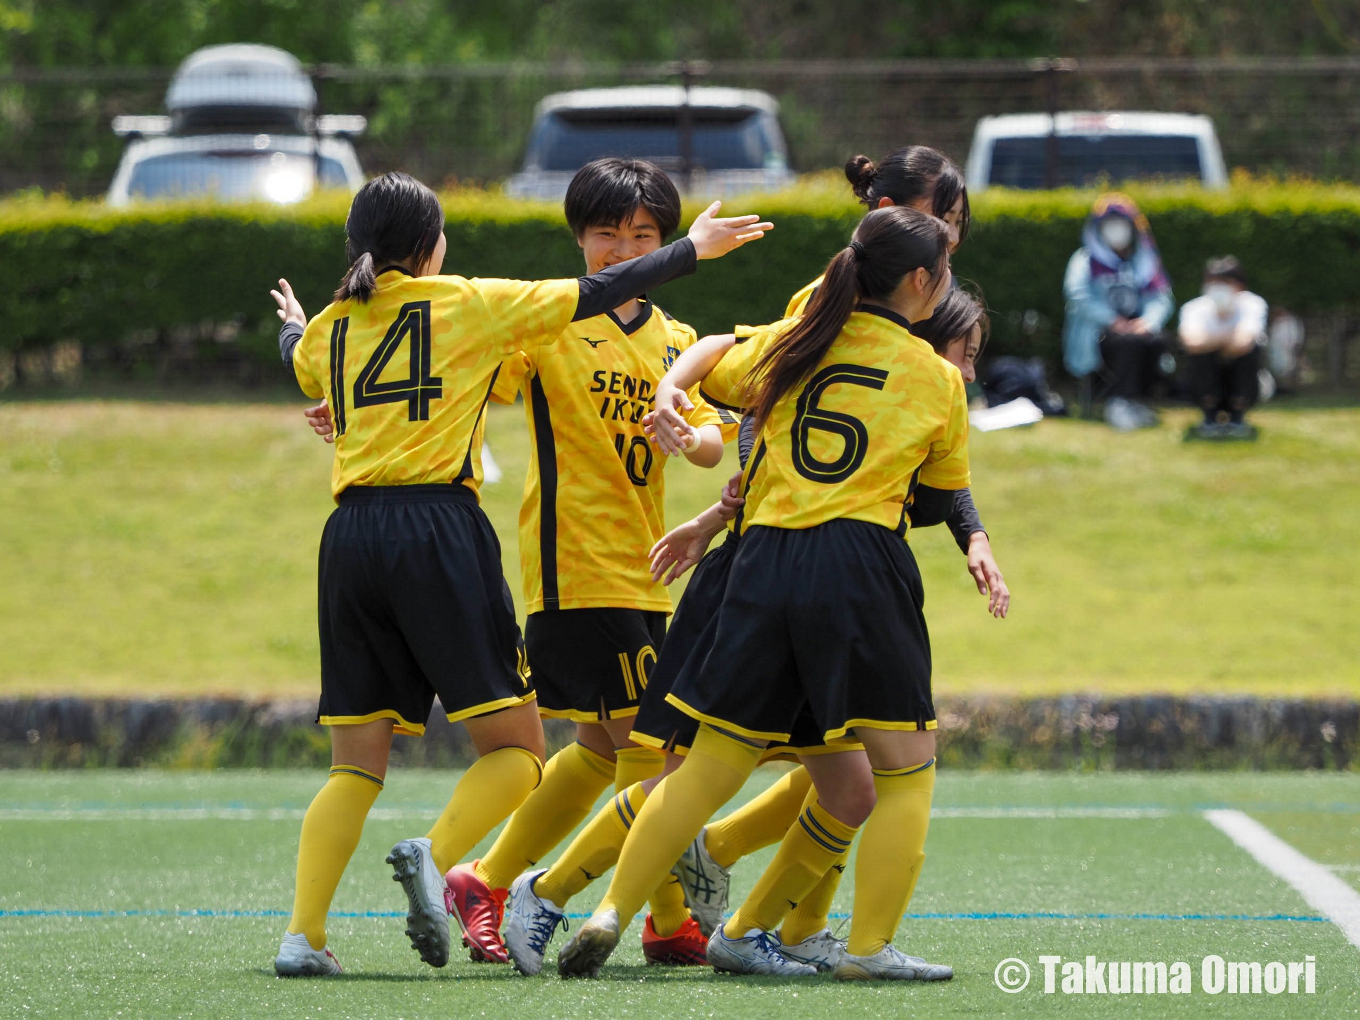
(163,894)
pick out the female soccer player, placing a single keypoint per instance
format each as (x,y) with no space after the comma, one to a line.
(823,607)
(412,602)
(957,331)
(594,496)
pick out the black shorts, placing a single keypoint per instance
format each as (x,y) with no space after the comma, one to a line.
(412,603)
(829,616)
(593,664)
(661,724)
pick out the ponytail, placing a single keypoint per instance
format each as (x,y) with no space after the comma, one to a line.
(888,244)
(860,172)
(359,281)
(393,219)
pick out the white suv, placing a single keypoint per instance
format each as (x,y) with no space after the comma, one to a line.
(241,126)
(1013,150)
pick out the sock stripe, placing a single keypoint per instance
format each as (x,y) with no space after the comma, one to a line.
(354,770)
(843,843)
(624,816)
(909,770)
(828,847)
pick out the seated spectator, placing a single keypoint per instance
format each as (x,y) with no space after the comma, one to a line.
(1222,332)
(1118,302)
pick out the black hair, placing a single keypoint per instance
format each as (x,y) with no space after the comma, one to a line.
(888,244)
(955,317)
(392,218)
(1225,268)
(606,192)
(908,175)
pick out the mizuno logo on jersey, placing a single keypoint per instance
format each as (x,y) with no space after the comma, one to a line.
(595,343)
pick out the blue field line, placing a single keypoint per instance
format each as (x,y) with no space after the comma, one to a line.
(986,915)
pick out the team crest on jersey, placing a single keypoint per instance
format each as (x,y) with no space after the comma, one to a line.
(671,354)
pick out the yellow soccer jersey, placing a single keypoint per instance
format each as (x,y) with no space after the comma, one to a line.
(880,412)
(799,301)
(408,372)
(594,499)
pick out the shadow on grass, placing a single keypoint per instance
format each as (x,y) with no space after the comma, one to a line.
(609,975)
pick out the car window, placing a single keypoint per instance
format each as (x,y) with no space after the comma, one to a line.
(271,176)
(1085,159)
(723,139)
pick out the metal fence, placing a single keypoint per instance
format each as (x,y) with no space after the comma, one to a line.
(469,123)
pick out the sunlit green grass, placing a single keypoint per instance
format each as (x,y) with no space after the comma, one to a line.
(165,547)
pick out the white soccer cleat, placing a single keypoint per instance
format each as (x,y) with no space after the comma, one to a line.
(889,964)
(822,950)
(297,958)
(705,883)
(758,953)
(530,923)
(427,918)
(585,952)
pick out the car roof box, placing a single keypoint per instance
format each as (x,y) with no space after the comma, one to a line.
(243,87)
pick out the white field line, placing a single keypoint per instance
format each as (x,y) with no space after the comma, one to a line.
(245,814)
(1323,891)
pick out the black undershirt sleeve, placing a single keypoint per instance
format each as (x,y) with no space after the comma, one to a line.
(746,440)
(289,335)
(953,507)
(611,287)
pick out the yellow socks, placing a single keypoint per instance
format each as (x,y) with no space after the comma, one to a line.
(573,778)
(594,850)
(634,764)
(716,767)
(330,832)
(762,821)
(815,842)
(668,901)
(814,910)
(491,789)
(895,833)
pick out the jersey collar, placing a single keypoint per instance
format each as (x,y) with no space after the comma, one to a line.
(638,322)
(886,313)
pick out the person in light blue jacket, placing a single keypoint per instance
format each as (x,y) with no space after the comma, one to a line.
(1118,303)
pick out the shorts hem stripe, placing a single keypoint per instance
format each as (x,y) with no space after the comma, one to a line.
(578,715)
(403,725)
(488,707)
(724,724)
(879,724)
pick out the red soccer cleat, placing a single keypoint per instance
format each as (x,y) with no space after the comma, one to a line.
(686,948)
(478,909)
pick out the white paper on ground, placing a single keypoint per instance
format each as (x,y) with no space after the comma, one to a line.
(1020,411)
(491,471)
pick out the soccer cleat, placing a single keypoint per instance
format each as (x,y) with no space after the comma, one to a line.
(585,952)
(822,950)
(705,883)
(890,964)
(757,953)
(297,958)
(428,896)
(687,947)
(479,910)
(530,923)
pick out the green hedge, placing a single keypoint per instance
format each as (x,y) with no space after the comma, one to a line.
(81,271)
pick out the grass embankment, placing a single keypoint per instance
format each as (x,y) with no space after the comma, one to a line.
(158,548)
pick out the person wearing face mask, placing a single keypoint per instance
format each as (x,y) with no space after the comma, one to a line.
(1222,332)
(1118,302)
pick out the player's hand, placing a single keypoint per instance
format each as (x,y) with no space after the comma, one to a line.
(319,418)
(982,565)
(678,550)
(667,427)
(714,237)
(290,308)
(731,500)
